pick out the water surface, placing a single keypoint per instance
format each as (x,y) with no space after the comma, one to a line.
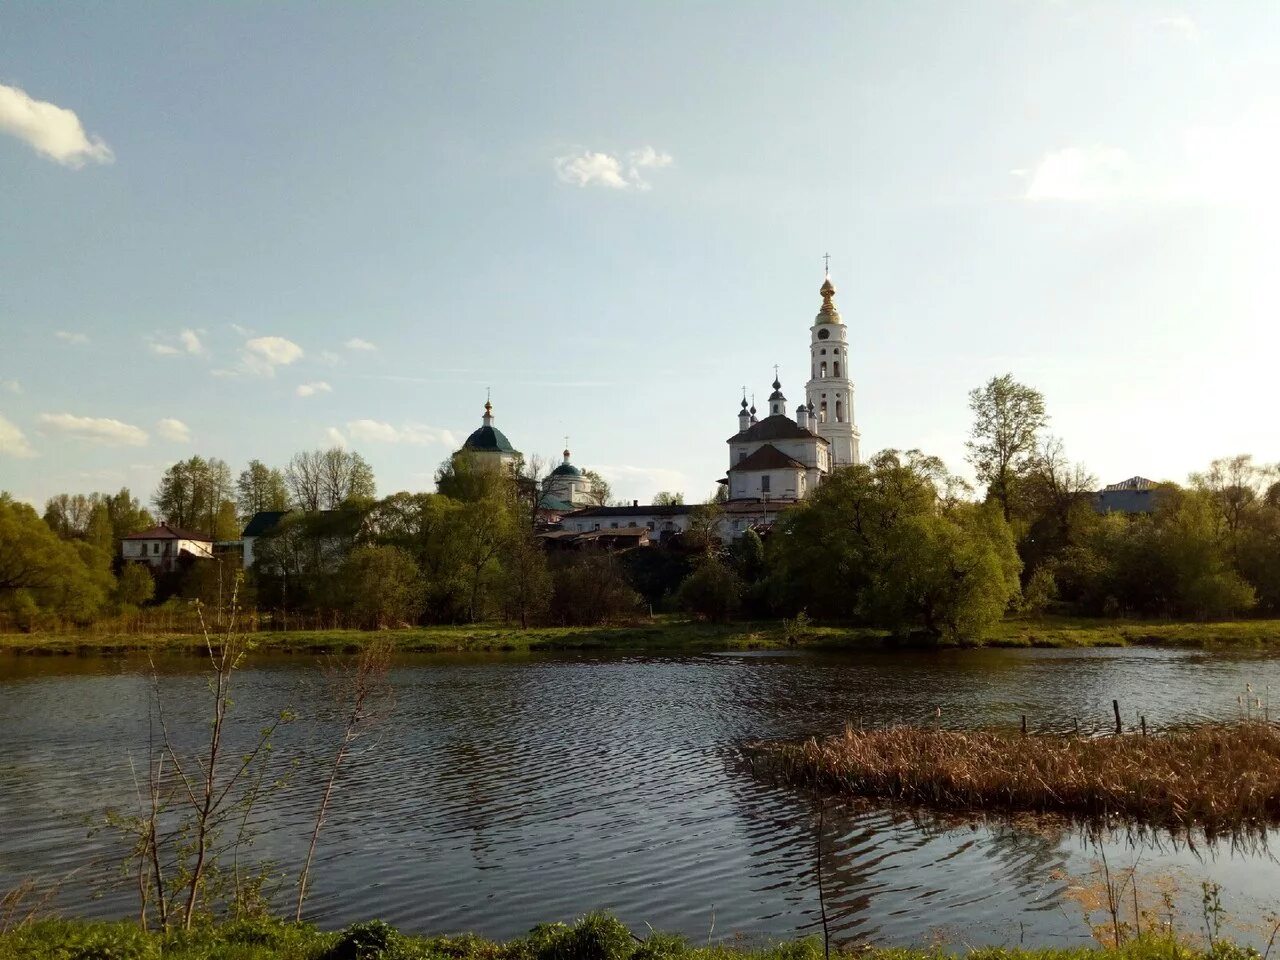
(507,790)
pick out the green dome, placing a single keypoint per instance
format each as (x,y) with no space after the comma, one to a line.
(566,470)
(488,440)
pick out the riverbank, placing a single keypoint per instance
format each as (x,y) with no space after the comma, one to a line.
(595,937)
(1217,777)
(656,635)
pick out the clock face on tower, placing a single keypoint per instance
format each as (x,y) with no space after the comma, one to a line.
(823,334)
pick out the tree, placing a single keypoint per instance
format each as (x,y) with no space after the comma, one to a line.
(599,493)
(1007,419)
(589,588)
(526,580)
(880,542)
(192,493)
(135,585)
(68,514)
(381,586)
(326,479)
(713,591)
(665,498)
(40,573)
(261,488)
(467,478)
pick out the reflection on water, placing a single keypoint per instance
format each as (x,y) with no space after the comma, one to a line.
(509,790)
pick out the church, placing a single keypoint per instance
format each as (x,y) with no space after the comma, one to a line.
(774,460)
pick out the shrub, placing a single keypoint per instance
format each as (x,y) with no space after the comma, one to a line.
(364,941)
(597,936)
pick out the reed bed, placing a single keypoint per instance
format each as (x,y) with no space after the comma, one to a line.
(1219,777)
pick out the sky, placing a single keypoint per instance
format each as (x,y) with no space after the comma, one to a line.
(247,230)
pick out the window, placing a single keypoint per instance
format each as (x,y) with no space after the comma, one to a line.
(839,412)
(823,367)
(649,524)
(595,526)
(823,351)
(742,455)
(822,412)
(764,484)
(155,549)
(836,371)
(613,525)
(823,334)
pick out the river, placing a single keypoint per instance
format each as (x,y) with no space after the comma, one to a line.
(506,790)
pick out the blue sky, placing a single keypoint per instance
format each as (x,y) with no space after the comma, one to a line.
(614,216)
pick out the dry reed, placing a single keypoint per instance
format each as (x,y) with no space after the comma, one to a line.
(1215,777)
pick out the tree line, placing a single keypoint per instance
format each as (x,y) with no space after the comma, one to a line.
(898,542)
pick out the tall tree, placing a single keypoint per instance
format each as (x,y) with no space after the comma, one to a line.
(192,494)
(1007,419)
(260,488)
(599,492)
(67,514)
(666,498)
(325,479)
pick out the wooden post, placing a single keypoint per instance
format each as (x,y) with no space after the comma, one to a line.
(1076,722)
(1024,724)
(1115,705)
(1144,724)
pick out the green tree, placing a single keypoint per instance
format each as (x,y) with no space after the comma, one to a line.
(1007,419)
(135,585)
(381,586)
(192,494)
(39,572)
(713,591)
(261,488)
(665,498)
(526,580)
(590,588)
(469,479)
(883,542)
(599,493)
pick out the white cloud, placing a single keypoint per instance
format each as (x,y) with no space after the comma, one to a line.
(355,343)
(1084,175)
(13,442)
(589,168)
(261,356)
(174,430)
(376,431)
(55,132)
(76,339)
(11,386)
(165,345)
(1230,163)
(1182,24)
(311,389)
(334,436)
(112,433)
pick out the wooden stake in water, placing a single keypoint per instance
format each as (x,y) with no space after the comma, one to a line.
(1115,705)
(1144,725)
(1024,724)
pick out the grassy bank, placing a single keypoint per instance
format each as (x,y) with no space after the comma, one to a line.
(597,937)
(660,634)
(1219,777)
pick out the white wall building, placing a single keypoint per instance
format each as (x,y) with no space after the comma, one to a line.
(162,547)
(566,488)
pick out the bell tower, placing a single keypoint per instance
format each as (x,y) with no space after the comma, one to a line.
(829,393)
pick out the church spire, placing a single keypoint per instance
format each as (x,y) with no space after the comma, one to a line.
(828,312)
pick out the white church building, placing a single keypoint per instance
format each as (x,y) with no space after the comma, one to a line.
(776,460)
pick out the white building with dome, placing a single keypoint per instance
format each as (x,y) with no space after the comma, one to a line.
(774,461)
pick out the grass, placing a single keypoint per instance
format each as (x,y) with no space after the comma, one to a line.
(1216,777)
(595,937)
(659,634)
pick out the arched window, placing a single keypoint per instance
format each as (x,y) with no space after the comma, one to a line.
(839,412)
(836,364)
(822,412)
(823,367)
(823,351)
